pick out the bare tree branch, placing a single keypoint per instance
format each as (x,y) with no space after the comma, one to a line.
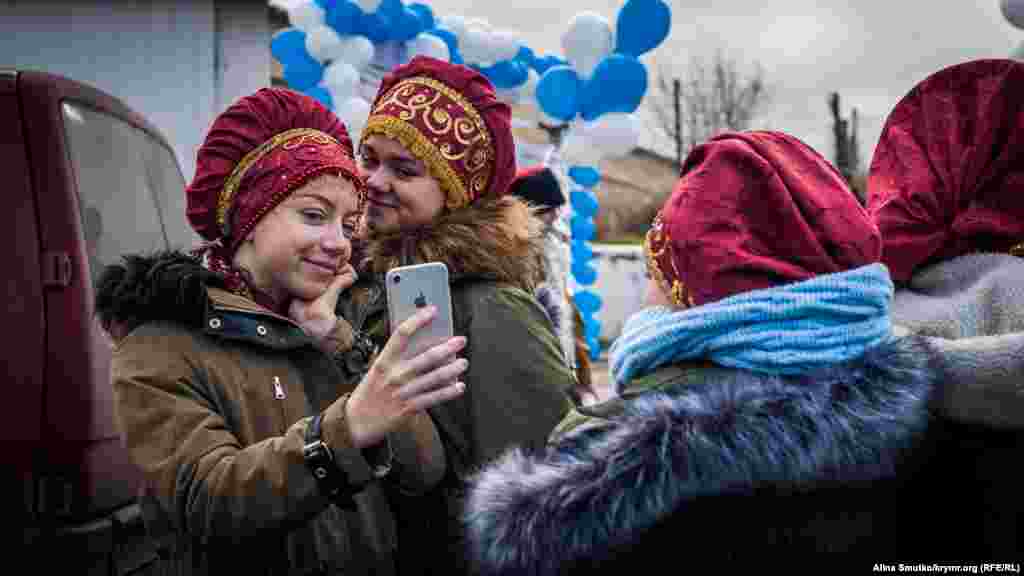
(715,96)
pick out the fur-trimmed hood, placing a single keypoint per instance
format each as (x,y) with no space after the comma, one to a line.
(497,239)
(738,451)
(161,286)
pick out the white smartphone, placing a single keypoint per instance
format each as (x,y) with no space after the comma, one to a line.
(410,288)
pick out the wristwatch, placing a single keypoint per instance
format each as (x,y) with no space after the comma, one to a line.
(320,461)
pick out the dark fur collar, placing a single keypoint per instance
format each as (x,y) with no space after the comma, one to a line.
(160,286)
(496,239)
(601,491)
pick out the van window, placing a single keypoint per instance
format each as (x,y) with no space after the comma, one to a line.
(168,187)
(120,172)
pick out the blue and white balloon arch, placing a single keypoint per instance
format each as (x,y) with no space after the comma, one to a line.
(595,90)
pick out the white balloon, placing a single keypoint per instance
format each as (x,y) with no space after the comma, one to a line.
(306,16)
(504,44)
(613,134)
(587,41)
(323,43)
(474,39)
(354,113)
(577,149)
(475,45)
(1013,11)
(529,89)
(357,51)
(429,45)
(368,6)
(341,79)
(455,23)
(510,95)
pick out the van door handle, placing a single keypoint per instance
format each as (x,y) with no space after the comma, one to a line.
(56,269)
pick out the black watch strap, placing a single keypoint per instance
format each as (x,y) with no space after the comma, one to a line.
(320,461)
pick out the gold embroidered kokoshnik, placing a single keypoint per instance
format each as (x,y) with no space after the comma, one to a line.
(676,290)
(289,139)
(436,136)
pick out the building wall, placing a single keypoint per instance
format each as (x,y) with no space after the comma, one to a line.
(620,283)
(176,63)
(631,191)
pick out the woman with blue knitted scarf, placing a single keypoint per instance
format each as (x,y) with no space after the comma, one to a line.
(765,408)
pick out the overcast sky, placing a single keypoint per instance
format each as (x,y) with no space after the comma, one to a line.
(871,51)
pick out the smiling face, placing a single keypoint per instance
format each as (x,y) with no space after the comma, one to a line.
(296,250)
(401,194)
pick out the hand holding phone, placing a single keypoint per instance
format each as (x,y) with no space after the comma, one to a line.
(412,288)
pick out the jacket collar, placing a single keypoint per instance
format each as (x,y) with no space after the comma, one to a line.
(497,239)
(235,317)
(175,287)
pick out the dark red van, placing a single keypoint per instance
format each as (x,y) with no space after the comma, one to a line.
(84,179)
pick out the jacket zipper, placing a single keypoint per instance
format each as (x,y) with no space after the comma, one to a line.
(280,395)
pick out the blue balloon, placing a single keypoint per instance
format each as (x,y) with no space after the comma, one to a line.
(320,93)
(343,17)
(542,65)
(588,302)
(376,27)
(641,26)
(585,274)
(592,329)
(582,228)
(526,56)
(407,25)
(581,252)
(303,74)
(425,13)
(618,84)
(595,348)
(586,176)
(390,9)
(288,44)
(558,93)
(451,40)
(506,74)
(583,202)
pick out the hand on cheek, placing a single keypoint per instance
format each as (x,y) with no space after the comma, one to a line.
(316,317)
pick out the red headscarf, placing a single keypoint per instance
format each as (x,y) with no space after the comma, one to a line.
(257,152)
(754,210)
(947,177)
(449,117)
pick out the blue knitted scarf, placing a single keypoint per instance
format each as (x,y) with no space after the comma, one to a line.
(784,330)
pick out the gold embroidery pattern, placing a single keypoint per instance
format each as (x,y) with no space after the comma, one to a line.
(418,112)
(288,140)
(410,137)
(656,243)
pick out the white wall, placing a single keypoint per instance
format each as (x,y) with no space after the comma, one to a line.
(176,63)
(620,283)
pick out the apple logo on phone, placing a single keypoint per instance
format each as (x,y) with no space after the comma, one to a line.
(420,301)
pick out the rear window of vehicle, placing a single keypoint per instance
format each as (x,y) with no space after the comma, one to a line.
(128,182)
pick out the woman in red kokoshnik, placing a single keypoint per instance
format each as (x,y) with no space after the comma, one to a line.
(241,396)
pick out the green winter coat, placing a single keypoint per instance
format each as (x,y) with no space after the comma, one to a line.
(518,384)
